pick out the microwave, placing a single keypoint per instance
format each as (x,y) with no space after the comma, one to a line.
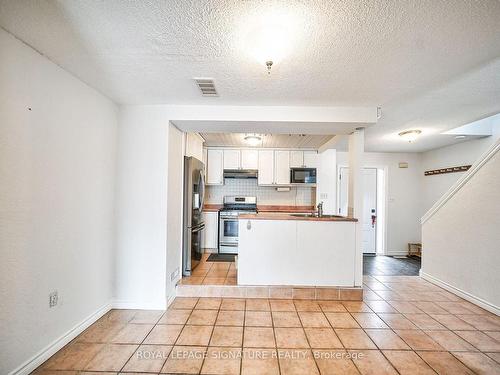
(303,175)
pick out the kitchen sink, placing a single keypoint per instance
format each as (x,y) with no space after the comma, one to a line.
(314,215)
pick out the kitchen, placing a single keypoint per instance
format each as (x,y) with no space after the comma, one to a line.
(266,200)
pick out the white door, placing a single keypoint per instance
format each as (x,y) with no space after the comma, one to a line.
(369,209)
(369,204)
(215,172)
(249,159)
(231,159)
(266,167)
(296,159)
(282,167)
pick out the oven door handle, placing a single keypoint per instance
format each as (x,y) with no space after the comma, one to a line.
(198,228)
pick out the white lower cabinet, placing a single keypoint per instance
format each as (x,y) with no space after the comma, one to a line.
(297,252)
(210,238)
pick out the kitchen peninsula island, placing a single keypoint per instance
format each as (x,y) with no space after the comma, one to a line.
(297,250)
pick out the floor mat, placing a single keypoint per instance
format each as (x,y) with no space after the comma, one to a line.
(221,258)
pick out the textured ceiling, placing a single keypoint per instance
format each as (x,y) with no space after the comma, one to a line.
(427,63)
(268,140)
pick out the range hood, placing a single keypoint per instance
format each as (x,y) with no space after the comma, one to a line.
(240,173)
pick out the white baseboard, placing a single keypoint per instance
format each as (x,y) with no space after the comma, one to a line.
(140,305)
(462,293)
(31,364)
(171,298)
(47,352)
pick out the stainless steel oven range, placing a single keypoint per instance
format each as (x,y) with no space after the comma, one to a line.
(228,221)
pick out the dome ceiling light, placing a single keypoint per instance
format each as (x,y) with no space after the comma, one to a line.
(253,139)
(410,135)
(268,37)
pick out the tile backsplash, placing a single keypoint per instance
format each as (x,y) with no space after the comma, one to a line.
(297,196)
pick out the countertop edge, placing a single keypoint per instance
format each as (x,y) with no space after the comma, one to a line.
(284,216)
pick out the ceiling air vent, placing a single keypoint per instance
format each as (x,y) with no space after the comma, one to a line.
(206,86)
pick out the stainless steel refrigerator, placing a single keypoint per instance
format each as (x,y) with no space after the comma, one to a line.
(194,190)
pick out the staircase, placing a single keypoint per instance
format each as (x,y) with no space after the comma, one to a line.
(461,235)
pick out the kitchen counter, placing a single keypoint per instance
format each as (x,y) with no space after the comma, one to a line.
(281,249)
(212,207)
(286,216)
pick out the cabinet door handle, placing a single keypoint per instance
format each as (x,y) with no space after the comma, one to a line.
(249,225)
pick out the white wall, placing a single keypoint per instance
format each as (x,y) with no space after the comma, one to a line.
(141,208)
(433,187)
(461,240)
(175,207)
(142,212)
(403,196)
(57,172)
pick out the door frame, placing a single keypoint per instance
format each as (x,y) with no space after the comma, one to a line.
(382,207)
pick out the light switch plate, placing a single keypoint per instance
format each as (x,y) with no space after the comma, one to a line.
(53,298)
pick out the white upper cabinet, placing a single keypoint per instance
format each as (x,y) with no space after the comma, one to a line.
(232,159)
(273,165)
(282,167)
(311,159)
(303,159)
(194,145)
(205,159)
(215,168)
(249,159)
(266,167)
(296,159)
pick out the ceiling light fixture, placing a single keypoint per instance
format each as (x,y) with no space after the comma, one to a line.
(410,135)
(253,139)
(270,36)
(460,137)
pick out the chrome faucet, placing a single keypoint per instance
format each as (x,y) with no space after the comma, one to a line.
(320,209)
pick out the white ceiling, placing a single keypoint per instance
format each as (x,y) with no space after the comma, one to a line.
(429,64)
(268,140)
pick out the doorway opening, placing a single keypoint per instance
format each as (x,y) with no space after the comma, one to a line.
(374,206)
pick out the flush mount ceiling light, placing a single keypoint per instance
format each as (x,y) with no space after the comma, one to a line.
(460,137)
(253,139)
(410,135)
(267,38)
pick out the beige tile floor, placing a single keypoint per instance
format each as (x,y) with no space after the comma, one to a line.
(405,325)
(212,273)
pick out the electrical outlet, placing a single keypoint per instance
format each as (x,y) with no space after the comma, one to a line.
(323,195)
(53,298)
